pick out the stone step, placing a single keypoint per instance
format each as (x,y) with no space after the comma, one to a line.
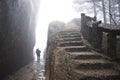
(76,48)
(92,64)
(70,43)
(70,39)
(40,78)
(104,74)
(67,36)
(85,55)
(69,32)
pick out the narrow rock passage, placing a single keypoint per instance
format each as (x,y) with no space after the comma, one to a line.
(40,70)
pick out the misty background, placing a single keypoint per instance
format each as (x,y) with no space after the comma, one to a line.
(65,10)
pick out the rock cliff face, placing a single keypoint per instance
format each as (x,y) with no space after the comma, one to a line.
(53,29)
(17,34)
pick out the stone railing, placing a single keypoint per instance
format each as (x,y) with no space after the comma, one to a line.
(93,30)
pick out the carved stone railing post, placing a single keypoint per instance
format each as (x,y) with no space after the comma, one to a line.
(89,35)
(96,36)
(83,24)
(111,45)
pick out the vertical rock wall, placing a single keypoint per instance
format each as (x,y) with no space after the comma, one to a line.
(17,34)
(53,29)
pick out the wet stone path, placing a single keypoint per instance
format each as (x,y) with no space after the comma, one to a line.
(33,71)
(39,73)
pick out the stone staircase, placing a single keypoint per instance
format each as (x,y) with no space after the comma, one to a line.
(86,63)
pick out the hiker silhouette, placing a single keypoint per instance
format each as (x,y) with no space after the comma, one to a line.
(38,52)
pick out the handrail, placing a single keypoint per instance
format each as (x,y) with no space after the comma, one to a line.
(92,31)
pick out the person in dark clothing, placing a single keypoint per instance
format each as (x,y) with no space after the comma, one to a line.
(38,53)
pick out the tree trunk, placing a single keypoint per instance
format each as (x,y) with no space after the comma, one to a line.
(110,11)
(104,14)
(119,8)
(94,6)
